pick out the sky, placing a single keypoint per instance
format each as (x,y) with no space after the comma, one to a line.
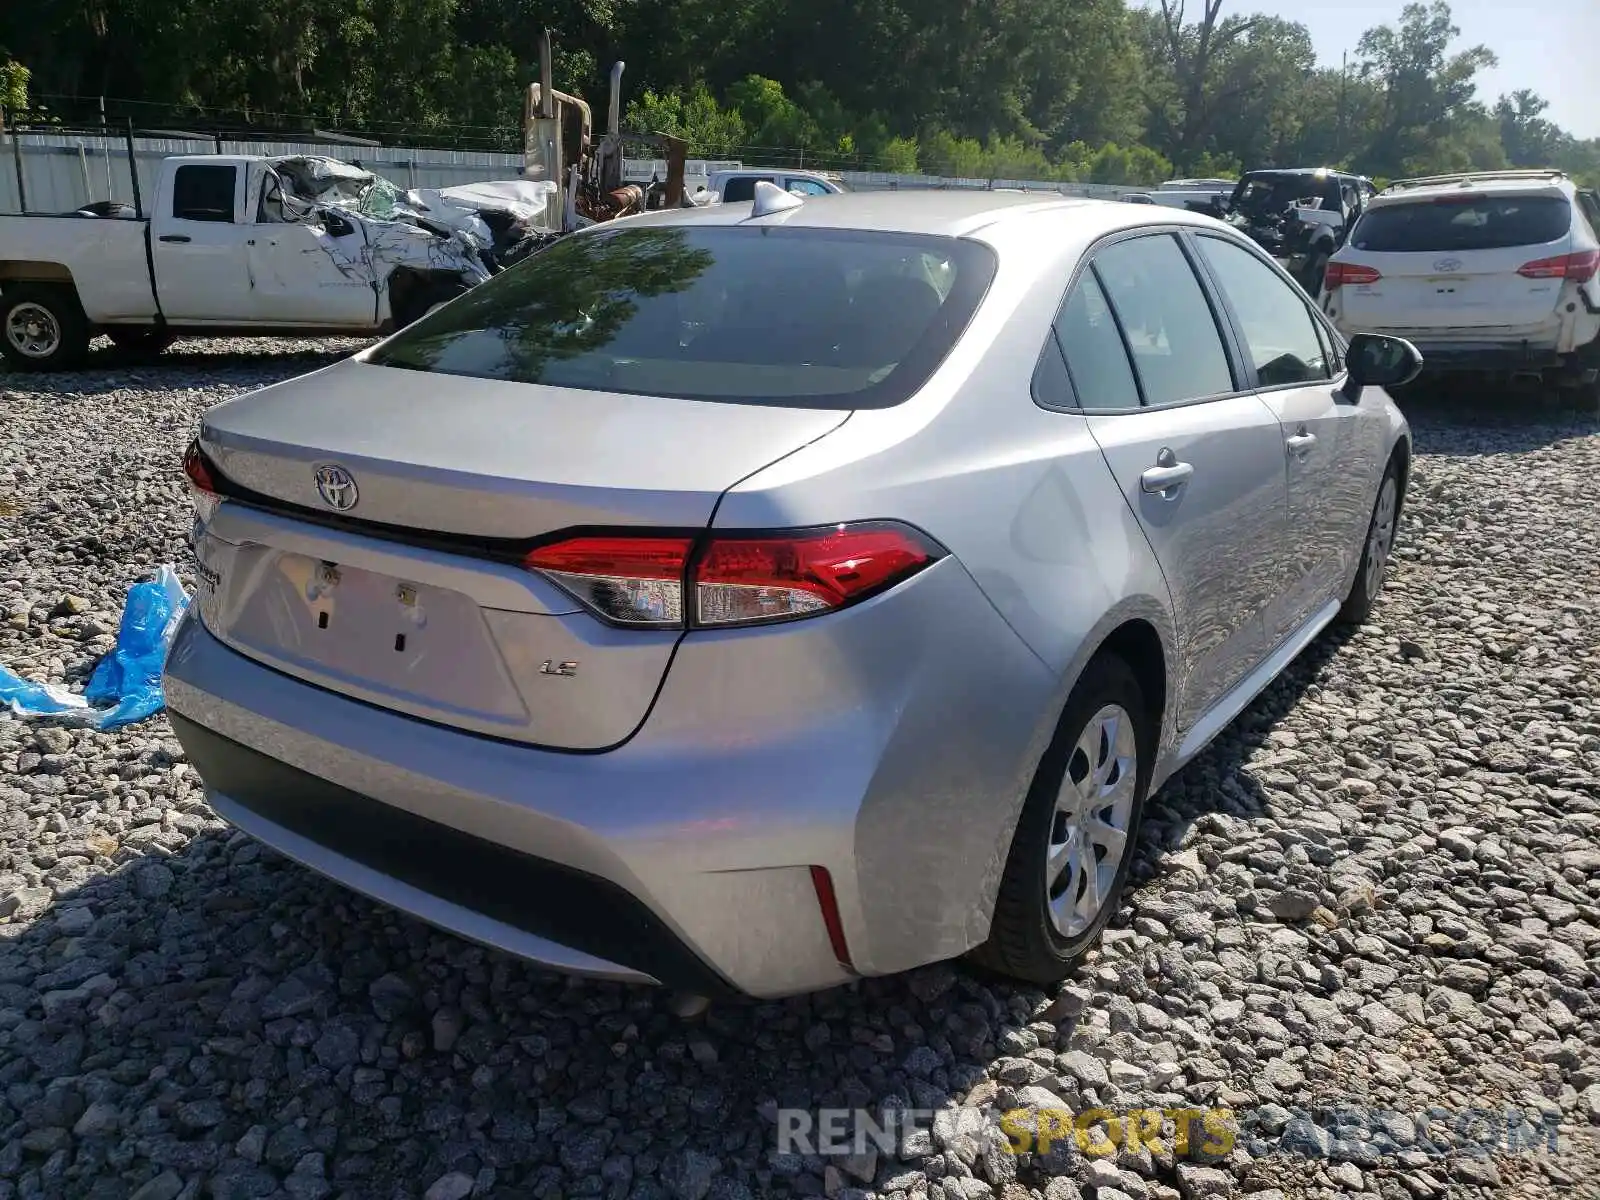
(1551,46)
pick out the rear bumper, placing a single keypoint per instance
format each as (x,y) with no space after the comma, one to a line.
(857,743)
(1449,357)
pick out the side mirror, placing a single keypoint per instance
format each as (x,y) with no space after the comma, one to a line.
(1377,360)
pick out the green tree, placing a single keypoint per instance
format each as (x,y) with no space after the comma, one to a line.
(1425,88)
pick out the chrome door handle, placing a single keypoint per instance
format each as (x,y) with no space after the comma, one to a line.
(1166,479)
(1301,442)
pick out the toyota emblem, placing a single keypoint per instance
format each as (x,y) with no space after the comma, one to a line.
(1446,265)
(337,487)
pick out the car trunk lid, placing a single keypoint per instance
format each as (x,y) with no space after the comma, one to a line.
(412,597)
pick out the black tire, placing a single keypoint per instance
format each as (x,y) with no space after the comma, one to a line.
(1024,941)
(419,300)
(1368,585)
(139,343)
(42,328)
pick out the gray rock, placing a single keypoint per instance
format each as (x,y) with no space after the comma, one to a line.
(688,1174)
(1194,1181)
(452,1186)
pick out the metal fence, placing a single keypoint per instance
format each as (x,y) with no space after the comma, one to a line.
(64,170)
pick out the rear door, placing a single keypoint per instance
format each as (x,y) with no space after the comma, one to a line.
(1450,261)
(1333,450)
(202,271)
(1199,457)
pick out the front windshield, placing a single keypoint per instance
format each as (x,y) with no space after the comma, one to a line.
(1274,193)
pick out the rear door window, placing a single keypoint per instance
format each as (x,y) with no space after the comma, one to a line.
(818,318)
(742,188)
(1463,223)
(1094,350)
(204,193)
(1171,331)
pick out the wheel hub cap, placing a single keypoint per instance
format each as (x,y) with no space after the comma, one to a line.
(32,330)
(1381,538)
(1089,830)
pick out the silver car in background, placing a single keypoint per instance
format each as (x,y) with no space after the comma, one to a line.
(754,598)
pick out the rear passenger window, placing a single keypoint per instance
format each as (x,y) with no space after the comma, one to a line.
(1172,335)
(1093,347)
(736,191)
(203,193)
(1280,334)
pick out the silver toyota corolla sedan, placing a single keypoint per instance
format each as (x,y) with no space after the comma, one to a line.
(753,598)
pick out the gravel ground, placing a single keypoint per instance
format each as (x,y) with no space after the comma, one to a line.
(1381,888)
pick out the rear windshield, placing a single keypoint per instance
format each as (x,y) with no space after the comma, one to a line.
(811,318)
(1479,223)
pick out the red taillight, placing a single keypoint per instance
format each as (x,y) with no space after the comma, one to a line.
(632,581)
(197,469)
(1580,267)
(202,484)
(1340,273)
(1460,198)
(738,581)
(746,580)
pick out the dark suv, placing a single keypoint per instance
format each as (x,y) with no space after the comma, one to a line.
(1298,216)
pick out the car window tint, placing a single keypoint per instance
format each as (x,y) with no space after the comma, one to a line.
(743,188)
(1094,350)
(1052,386)
(807,187)
(1280,334)
(1171,332)
(1463,223)
(203,193)
(820,318)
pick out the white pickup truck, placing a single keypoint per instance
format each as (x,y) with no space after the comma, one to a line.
(230,247)
(731,187)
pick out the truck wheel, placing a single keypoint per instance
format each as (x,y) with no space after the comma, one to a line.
(42,328)
(140,343)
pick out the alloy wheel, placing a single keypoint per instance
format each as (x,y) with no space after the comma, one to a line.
(1089,829)
(1381,537)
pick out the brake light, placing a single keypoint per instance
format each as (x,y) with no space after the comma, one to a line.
(1460,198)
(1580,267)
(202,483)
(1340,273)
(631,581)
(660,583)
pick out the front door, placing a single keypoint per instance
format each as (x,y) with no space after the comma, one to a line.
(309,273)
(1199,460)
(202,275)
(1333,451)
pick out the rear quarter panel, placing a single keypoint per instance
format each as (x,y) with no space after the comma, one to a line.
(1020,495)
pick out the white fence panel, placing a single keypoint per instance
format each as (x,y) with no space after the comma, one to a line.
(66,171)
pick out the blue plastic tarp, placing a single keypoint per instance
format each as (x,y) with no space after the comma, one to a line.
(126,684)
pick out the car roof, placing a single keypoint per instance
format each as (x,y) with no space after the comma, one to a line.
(948,213)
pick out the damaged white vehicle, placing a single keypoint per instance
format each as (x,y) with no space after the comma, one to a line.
(238,245)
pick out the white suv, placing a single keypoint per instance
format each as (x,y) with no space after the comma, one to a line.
(1496,271)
